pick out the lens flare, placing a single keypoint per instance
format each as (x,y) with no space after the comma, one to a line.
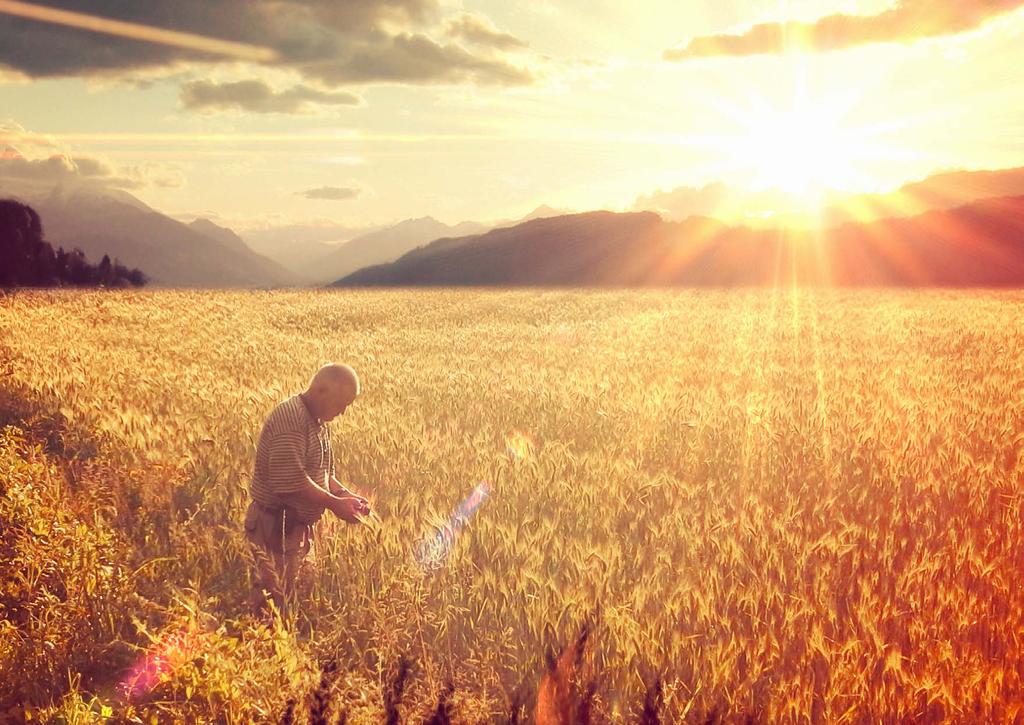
(519,445)
(137,31)
(431,552)
(159,663)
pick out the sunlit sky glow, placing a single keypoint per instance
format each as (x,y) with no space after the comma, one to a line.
(578,105)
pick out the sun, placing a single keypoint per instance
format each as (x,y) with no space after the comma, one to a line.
(802,151)
(806,148)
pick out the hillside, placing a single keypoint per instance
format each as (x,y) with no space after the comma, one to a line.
(939,191)
(383,246)
(28,260)
(225,236)
(573,249)
(979,244)
(172,253)
(316,253)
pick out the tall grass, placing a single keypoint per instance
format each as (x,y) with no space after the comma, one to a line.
(780,504)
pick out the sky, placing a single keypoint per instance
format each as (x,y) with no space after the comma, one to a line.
(368,112)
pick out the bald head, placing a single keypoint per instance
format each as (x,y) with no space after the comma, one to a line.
(333,388)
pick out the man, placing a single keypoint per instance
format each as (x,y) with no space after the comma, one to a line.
(293,482)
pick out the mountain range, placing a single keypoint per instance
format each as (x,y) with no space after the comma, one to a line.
(202,253)
(108,222)
(978,244)
(953,228)
(321,263)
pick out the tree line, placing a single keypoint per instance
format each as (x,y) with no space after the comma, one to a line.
(27,260)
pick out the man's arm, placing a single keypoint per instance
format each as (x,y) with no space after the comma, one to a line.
(338,488)
(312,492)
(343,506)
(286,466)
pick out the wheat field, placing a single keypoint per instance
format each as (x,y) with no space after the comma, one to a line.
(789,505)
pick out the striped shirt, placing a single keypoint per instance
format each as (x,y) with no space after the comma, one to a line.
(293,444)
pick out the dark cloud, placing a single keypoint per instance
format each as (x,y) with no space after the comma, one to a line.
(417,59)
(259,97)
(907,20)
(337,43)
(331,193)
(478,30)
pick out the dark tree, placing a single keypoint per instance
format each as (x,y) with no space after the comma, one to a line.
(21,240)
(105,273)
(27,260)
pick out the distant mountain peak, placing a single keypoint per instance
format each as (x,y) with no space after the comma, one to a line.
(543,211)
(417,220)
(227,237)
(386,245)
(207,224)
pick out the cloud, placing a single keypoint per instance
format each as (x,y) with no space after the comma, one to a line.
(331,193)
(13,134)
(481,31)
(164,176)
(54,168)
(907,20)
(336,43)
(726,203)
(60,168)
(684,201)
(416,58)
(258,97)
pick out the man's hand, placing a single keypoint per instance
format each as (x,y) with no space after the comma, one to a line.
(339,489)
(349,508)
(364,504)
